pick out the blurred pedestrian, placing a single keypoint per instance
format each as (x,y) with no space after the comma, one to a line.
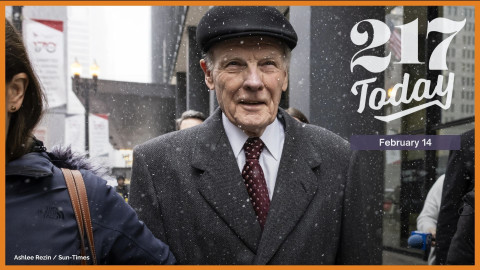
(459,180)
(297,115)
(189,119)
(462,247)
(40,224)
(121,187)
(427,220)
(251,185)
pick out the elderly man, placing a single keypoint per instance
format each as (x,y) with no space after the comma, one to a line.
(251,185)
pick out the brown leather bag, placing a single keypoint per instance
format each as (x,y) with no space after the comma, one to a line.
(78,196)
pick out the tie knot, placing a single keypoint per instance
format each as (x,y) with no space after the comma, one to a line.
(253,148)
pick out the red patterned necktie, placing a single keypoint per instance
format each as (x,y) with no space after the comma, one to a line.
(255,182)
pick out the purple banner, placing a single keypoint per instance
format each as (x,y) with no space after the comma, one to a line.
(405,142)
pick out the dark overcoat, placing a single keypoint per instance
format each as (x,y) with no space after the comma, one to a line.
(186,186)
(462,247)
(459,180)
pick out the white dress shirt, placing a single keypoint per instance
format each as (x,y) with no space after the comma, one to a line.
(273,137)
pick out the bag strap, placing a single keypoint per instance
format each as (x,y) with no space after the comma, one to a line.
(82,191)
(78,196)
(72,191)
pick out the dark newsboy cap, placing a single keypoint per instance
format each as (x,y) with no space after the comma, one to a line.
(226,22)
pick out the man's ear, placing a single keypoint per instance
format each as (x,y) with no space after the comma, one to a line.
(208,75)
(285,82)
(16,91)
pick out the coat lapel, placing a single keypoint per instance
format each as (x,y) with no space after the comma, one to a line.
(221,183)
(295,187)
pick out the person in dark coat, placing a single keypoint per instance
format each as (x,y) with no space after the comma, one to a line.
(459,180)
(251,185)
(121,187)
(462,247)
(40,224)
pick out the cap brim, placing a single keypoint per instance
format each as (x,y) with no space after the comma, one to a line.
(291,43)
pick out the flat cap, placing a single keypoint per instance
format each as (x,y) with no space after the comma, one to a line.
(226,22)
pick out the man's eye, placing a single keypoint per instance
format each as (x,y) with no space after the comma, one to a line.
(233,63)
(267,63)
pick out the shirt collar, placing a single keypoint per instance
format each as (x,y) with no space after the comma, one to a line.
(270,137)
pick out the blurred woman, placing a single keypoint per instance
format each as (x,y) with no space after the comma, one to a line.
(40,222)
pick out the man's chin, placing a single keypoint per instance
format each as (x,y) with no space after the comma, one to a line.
(253,128)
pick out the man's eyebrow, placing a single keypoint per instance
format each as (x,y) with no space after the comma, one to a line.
(228,57)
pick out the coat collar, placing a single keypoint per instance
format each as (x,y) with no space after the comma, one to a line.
(38,169)
(223,188)
(34,164)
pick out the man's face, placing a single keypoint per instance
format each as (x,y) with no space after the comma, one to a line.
(248,75)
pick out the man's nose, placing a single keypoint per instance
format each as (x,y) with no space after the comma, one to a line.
(253,80)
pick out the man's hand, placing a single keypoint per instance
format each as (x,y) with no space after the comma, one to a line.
(433,231)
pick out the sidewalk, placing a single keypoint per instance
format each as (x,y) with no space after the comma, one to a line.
(393,258)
